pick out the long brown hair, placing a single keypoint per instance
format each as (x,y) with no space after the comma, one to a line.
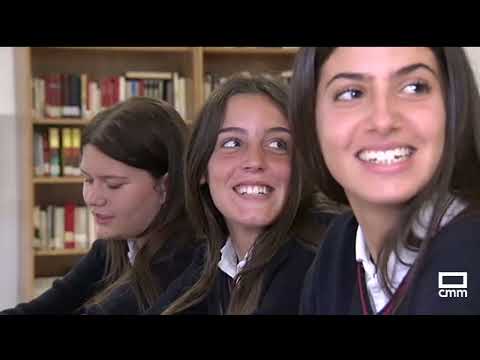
(207,219)
(150,135)
(457,174)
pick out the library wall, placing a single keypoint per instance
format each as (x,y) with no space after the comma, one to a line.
(474,55)
(9,184)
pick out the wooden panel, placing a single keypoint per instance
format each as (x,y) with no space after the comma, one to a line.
(58,194)
(99,63)
(276,51)
(198,96)
(226,64)
(23,110)
(54,266)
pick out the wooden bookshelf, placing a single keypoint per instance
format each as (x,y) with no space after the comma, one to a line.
(191,62)
(250,51)
(135,49)
(61,252)
(58,180)
(61,121)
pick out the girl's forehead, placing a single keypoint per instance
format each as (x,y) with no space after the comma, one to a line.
(377,60)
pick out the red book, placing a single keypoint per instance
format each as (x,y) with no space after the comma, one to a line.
(103,92)
(116,91)
(69,226)
(46,153)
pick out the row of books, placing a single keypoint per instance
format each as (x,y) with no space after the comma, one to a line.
(80,96)
(56,151)
(63,227)
(212,81)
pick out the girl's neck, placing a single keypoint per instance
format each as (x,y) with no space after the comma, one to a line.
(376,222)
(243,239)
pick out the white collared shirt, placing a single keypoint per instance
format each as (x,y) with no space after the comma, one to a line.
(132,250)
(396,271)
(395,268)
(229,263)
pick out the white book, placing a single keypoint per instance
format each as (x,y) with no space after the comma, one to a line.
(92,87)
(50,228)
(81,227)
(92,235)
(43,230)
(122,89)
(183,98)
(59,227)
(176,92)
(128,89)
(38,162)
(36,228)
(84,94)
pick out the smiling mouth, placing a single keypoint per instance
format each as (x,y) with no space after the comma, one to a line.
(253,190)
(387,157)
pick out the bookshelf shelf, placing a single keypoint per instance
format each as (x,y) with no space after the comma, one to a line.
(62,252)
(61,121)
(170,50)
(197,65)
(58,180)
(250,51)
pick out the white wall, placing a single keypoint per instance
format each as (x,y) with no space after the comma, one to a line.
(473,54)
(9,196)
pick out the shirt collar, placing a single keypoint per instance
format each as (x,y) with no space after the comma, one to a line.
(229,263)
(395,268)
(132,250)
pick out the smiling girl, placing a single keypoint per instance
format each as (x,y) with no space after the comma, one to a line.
(393,133)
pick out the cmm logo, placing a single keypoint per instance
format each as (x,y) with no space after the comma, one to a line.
(450,288)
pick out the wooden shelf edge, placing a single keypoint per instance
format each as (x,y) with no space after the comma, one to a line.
(58,180)
(60,121)
(159,49)
(63,252)
(249,51)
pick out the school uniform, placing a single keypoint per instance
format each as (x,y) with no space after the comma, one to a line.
(165,269)
(280,292)
(340,280)
(68,294)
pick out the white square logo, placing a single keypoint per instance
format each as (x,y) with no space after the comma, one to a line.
(446,289)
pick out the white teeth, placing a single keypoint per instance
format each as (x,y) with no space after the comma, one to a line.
(251,190)
(386,157)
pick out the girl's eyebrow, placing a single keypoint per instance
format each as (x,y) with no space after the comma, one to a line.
(243,131)
(105,177)
(398,73)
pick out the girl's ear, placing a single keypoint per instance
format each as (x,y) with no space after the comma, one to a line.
(162,186)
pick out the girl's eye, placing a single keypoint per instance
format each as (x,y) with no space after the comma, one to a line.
(231,143)
(278,144)
(417,88)
(87,180)
(348,95)
(114,186)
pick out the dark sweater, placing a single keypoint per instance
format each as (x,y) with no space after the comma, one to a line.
(280,293)
(331,285)
(68,294)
